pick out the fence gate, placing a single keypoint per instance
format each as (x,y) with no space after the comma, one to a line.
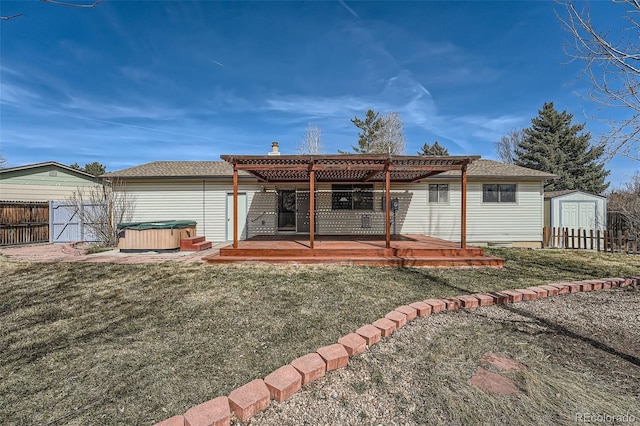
(23,222)
(66,223)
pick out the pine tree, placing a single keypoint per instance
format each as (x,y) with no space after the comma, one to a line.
(379,134)
(553,144)
(436,149)
(370,128)
(94,168)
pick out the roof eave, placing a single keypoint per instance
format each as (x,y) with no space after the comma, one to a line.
(494,177)
(164,177)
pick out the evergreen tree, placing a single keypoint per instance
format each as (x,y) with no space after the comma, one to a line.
(436,149)
(370,127)
(379,134)
(94,168)
(553,144)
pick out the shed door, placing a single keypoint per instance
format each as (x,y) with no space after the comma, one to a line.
(578,214)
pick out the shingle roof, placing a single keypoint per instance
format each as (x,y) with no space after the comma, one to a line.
(553,194)
(201,169)
(494,169)
(177,169)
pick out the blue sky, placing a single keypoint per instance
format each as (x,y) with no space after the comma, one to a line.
(129,82)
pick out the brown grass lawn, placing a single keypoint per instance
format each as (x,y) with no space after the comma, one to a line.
(87,343)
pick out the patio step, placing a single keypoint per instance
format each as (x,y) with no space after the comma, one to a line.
(350,253)
(459,261)
(194,244)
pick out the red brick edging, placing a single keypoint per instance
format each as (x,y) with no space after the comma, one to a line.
(255,396)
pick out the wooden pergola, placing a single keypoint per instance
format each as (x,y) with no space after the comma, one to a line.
(350,168)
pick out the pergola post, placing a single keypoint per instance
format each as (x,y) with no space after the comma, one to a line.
(312,207)
(463,213)
(387,207)
(235,207)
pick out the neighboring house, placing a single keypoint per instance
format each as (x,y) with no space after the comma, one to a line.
(504,202)
(42,182)
(575,209)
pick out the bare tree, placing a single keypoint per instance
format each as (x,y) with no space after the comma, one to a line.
(3,161)
(505,147)
(102,208)
(626,201)
(611,66)
(391,138)
(311,143)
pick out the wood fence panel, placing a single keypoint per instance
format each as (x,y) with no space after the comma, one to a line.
(610,240)
(23,222)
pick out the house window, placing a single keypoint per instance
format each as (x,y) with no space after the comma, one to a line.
(352,197)
(499,193)
(438,192)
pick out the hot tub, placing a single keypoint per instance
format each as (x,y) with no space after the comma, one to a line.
(160,236)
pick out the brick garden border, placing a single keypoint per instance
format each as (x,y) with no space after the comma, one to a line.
(255,396)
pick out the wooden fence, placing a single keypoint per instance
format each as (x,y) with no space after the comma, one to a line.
(23,222)
(607,241)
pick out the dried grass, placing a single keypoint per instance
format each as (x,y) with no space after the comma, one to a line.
(87,343)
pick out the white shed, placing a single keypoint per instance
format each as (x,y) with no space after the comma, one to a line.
(575,210)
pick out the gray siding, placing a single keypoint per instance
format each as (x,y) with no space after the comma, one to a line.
(506,222)
(202,201)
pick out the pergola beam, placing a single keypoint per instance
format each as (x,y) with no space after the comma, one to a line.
(424,176)
(463,213)
(387,216)
(235,208)
(371,175)
(312,207)
(293,167)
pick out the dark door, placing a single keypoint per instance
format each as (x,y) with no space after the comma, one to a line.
(287,210)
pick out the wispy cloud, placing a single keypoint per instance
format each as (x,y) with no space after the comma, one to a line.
(318,106)
(140,127)
(148,109)
(351,11)
(137,74)
(216,62)
(16,94)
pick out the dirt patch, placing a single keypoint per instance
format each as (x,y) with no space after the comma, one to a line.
(81,252)
(491,382)
(502,363)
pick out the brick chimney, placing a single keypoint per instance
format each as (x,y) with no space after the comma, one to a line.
(274,149)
